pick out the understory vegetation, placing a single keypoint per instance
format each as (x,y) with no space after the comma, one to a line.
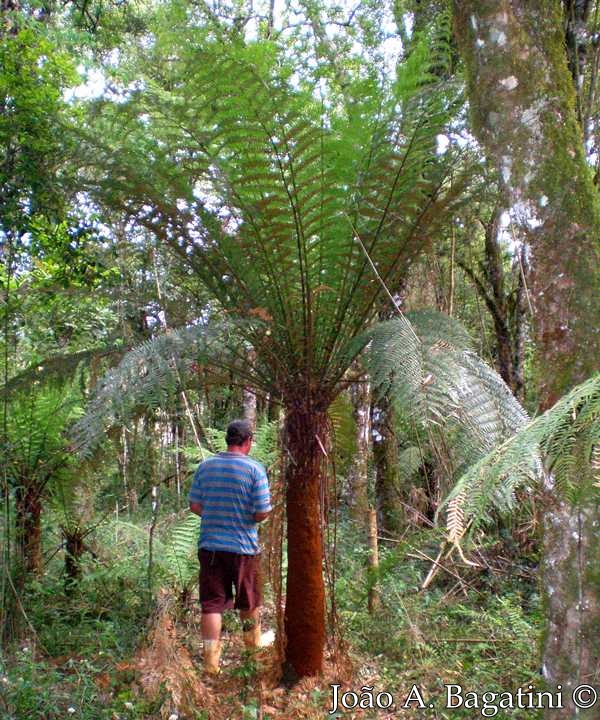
(86,653)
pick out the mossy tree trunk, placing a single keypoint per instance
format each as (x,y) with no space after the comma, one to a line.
(524,113)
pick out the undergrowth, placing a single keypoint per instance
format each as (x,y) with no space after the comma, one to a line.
(477,628)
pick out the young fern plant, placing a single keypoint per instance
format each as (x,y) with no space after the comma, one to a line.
(179,553)
(554,448)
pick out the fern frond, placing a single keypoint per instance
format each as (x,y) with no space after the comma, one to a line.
(59,367)
(596,463)
(424,362)
(410,461)
(35,449)
(179,556)
(456,518)
(262,188)
(562,442)
(151,376)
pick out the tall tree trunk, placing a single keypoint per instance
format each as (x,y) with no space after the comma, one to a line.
(249,397)
(572,597)
(304,433)
(494,272)
(490,286)
(360,393)
(523,106)
(385,461)
(520,312)
(28,528)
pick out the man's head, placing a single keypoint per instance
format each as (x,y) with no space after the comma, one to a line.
(239,436)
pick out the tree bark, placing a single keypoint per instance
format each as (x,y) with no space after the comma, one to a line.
(385,461)
(506,315)
(304,433)
(74,548)
(28,528)
(360,393)
(524,113)
(519,325)
(523,110)
(572,597)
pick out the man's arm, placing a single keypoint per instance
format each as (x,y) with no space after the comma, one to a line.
(260,495)
(196,508)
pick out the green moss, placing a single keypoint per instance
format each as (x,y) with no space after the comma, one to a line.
(546,161)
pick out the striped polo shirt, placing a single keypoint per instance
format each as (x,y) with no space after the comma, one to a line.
(231,487)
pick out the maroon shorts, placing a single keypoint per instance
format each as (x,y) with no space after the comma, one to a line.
(222,572)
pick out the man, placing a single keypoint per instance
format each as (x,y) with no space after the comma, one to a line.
(230,492)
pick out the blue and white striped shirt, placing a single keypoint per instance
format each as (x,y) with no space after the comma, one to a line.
(231,487)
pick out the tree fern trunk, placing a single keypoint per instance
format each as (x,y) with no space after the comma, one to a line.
(305,593)
(28,529)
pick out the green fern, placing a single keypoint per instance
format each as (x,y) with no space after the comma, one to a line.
(265,446)
(410,461)
(424,362)
(35,450)
(283,187)
(559,446)
(343,429)
(151,376)
(179,552)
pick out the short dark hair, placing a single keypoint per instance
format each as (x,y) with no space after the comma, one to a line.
(238,431)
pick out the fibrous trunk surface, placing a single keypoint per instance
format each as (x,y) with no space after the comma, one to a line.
(305,592)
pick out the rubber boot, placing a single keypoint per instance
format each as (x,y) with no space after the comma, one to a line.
(252,633)
(212,655)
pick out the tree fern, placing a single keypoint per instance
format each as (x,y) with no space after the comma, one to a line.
(35,449)
(258,187)
(262,190)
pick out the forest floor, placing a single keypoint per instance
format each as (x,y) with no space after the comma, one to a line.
(108,652)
